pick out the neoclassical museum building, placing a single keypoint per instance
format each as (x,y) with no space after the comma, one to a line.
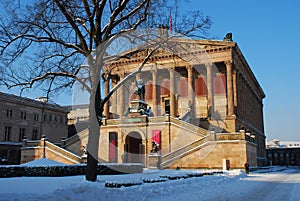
(194,104)
(200,105)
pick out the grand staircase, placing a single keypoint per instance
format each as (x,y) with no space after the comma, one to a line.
(71,151)
(188,129)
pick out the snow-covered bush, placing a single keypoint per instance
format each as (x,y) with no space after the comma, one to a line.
(67,170)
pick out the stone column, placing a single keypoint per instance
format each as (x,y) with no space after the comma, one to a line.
(229,88)
(114,100)
(235,90)
(154,91)
(172,92)
(190,84)
(121,97)
(210,89)
(106,105)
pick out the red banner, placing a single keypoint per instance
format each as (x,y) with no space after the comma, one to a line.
(156,137)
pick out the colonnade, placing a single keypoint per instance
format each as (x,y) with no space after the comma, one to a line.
(117,104)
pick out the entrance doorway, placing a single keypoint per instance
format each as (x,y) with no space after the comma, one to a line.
(133,148)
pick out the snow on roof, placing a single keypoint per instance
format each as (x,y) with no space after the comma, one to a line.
(283,144)
(42,162)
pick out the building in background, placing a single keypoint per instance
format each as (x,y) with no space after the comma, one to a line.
(284,153)
(78,116)
(23,118)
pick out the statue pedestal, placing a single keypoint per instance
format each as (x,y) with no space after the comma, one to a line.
(137,109)
(154,161)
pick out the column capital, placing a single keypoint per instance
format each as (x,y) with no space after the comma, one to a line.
(121,74)
(208,65)
(228,62)
(172,68)
(154,69)
(189,67)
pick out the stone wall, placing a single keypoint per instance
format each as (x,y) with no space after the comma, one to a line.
(212,153)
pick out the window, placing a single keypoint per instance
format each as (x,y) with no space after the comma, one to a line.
(7,133)
(45,117)
(23,115)
(35,117)
(21,134)
(9,113)
(34,134)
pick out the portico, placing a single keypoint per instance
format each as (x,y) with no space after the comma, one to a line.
(207,94)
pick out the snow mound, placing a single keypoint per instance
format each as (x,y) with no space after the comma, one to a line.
(42,162)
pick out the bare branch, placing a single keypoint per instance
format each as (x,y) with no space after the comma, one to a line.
(73,24)
(113,90)
(48,74)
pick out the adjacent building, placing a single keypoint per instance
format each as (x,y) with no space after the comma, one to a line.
(284,153)
(26,119)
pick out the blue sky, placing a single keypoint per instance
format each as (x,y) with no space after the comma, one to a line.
(268,33)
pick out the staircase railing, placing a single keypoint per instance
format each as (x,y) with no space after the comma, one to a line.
(189,127)
(62,152)
(75,138)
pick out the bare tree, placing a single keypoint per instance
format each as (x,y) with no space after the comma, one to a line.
(44,43)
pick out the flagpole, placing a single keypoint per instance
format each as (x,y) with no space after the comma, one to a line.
(171,25)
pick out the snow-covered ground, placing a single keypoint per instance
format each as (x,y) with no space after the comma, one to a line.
(277,184)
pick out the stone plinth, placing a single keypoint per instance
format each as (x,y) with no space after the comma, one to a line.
(154,161)
(137,109)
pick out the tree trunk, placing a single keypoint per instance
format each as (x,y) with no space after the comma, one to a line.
(95,117)
(91,168)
